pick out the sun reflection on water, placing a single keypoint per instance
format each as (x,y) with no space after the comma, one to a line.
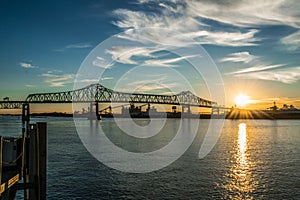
(241,182)
(242,143)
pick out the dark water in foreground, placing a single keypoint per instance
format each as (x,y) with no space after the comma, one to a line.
(253,159)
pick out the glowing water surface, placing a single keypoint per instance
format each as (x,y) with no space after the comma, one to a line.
(253,159)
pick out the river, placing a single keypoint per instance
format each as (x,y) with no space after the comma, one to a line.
(253,159)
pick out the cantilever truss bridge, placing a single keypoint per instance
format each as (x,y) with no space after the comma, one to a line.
(100,94)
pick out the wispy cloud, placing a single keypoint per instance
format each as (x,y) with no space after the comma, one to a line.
(181,23)
(176,30)
(221,38)
(189,17)
(106,78)
(248,13)
(30,86)
(88,81)
(58,80)
(27,65)
(257,68)
(152,88)
(166,62)
(244,57)
(158,85)
(292,42)
(287,75)
(74,46)
(102,63)
(91,81)
(79,46)
(125,54)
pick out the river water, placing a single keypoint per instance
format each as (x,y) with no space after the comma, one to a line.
(253,159)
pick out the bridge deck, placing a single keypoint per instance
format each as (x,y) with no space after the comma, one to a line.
(100,94)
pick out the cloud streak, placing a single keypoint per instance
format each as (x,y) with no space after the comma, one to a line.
(30,86)
(184,23)
(257,68)
(181,23)
(171,62)
(74,46)
(125,55)
(292,42)
(253,13)
(79,46)
(27,65)
(154,86)
(55,80)
(288,75)
(244,57)
(177,29)
(189,17)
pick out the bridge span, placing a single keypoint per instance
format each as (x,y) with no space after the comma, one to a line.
(96,93)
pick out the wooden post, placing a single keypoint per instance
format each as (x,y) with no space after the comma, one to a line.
(42,159)
(25,117)
(1,141)
(25,135)
(32,163)
(37,161)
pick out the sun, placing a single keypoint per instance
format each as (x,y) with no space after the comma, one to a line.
(241,100)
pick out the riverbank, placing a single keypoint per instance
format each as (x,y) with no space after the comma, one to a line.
(234,114)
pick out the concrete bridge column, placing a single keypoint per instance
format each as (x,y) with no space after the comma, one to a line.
(215,110)
(183,108)
(97,110)
(91,108)
(93,114)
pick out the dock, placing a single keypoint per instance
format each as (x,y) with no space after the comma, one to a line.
(23,161)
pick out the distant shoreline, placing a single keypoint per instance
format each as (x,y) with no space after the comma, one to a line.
(233,115)
(55,114)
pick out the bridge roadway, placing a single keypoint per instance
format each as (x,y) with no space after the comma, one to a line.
(100,94)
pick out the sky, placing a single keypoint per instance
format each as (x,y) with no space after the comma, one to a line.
(254,45)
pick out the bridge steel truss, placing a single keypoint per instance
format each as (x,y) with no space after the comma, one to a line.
(11,104)
(100,94)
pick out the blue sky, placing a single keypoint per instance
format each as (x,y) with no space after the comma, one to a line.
(255,45)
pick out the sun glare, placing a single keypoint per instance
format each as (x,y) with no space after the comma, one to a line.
(241,100)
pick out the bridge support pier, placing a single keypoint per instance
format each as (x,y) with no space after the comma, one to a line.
(97,111)
(183,109)
(189,109)
(94,113)
(215,111)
